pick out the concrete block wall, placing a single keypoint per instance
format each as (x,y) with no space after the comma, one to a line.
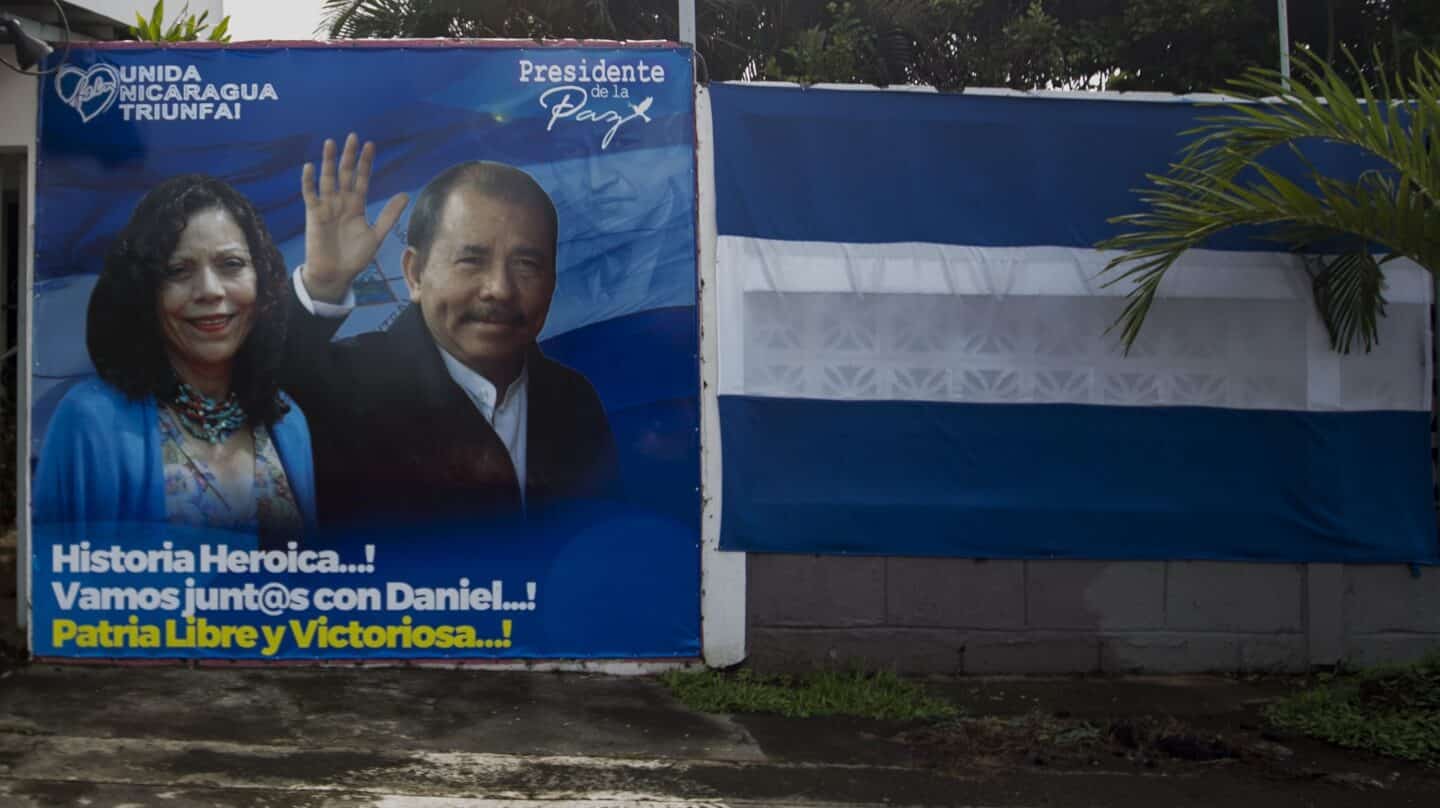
(941,615)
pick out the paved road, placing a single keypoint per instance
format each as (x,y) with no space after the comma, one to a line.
(295,738)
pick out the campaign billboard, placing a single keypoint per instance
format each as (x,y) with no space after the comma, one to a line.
(381,351)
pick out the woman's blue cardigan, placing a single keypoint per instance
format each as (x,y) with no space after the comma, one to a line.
(100,461)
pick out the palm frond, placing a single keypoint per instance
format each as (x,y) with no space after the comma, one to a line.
(336,16)
(1350,297)
(1221,181)
(355,19)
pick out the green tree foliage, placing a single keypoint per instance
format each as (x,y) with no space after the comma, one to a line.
(186,27)
(534,19)
(1168,45)
(1222,182)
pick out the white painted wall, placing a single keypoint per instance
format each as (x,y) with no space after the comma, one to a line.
(17,98)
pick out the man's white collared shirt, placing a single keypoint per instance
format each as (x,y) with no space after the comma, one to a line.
(507,416)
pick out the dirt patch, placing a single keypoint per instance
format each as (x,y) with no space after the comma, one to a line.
(1056,741)
(1238,742)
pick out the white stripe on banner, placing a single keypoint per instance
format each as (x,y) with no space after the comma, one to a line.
(935,322)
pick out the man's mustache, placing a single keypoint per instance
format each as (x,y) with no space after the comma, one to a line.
(494,314)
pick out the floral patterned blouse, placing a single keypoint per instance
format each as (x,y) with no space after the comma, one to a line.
(191,497)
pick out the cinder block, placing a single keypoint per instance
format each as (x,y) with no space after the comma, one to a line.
(955,593)
(1387,598)
(1109,595)
(1234,597)
(793,650)
(821,591)
(1032,652)
(1325,601)
(1169,652)
(1391,649)
(1278,653)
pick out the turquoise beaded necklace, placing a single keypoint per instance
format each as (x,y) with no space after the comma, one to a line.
(204,418)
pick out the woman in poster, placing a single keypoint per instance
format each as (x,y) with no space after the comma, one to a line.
(186,424)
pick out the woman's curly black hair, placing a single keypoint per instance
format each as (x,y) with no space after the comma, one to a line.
(123,331)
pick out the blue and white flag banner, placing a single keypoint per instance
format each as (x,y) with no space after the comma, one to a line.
(914,358)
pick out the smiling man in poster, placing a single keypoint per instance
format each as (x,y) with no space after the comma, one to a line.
(454,408)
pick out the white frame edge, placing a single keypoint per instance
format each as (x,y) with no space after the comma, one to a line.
(722,574)
(24,311)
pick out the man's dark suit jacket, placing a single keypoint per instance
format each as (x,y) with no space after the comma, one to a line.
(396,438)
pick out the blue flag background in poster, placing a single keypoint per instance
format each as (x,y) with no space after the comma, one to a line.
(619,583)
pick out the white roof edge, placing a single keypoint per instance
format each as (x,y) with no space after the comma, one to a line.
(1005,92)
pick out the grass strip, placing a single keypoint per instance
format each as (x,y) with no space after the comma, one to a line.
(863,695)
(1392,711)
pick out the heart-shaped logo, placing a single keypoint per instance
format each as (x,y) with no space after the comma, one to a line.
(88,92)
